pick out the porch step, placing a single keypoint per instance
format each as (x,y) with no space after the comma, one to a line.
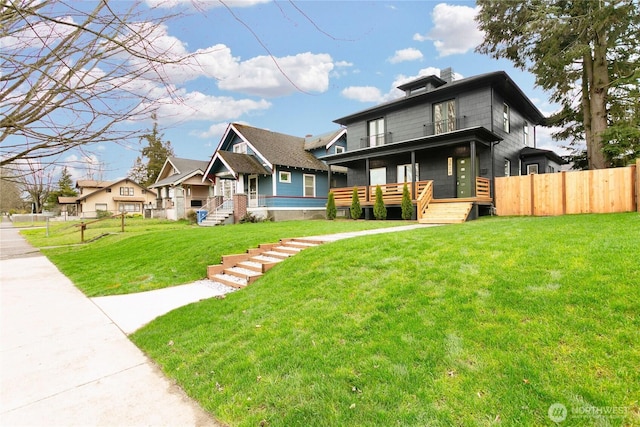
(240,271)
(216,218)
(446,213)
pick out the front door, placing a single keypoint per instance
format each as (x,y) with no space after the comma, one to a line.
(253,191)
(463,177)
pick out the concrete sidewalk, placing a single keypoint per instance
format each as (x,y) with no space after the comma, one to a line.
(63,362)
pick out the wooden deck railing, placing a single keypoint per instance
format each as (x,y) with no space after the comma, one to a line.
(483,188)
(425,197)
(391,193)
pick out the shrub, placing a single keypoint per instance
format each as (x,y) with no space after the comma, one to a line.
(102,214)
(331,207)
(192,216)
(355,209)
(379,209)
(251,218)
(407,206)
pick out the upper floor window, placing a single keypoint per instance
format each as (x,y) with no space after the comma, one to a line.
(240,148)
(506,118)
(507,167)
(339,149)
(285,177)
(126,191)
(376,132)
(444,116)
(525,131)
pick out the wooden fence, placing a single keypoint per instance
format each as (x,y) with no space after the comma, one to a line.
(592,191)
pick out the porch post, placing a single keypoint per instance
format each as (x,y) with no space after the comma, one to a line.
(413,175)
(329,172)
(472,146)
(366,171)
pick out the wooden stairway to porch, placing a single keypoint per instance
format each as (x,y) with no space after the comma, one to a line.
(241,270)
(446,212)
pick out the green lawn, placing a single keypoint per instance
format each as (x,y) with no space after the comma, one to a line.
(484,323)
(153,254)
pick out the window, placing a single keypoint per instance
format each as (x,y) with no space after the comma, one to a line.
(309,185)
(101,207)
(108,190)
(285,177)
(532,169)
(129,207)
(240,148)
(505,118)
(550,169)
(404,173)
(378,176)
(507,167)
(376,132)
(126,191)
(525,131)
(339,149)
(444,117)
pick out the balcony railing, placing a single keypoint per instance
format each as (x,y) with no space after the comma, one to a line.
(427,129)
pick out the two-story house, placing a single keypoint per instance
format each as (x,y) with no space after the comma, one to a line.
(112,197)
(447,139)
(280,174)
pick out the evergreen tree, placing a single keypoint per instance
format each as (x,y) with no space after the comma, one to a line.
(63,189)
(379,209)
(356,209)
(156,153)
(331,207)
(407,205)
(584,51)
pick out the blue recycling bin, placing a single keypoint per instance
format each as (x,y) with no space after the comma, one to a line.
(201,215)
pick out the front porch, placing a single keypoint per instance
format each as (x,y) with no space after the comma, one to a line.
(421,194)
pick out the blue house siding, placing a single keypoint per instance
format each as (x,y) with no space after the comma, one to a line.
(296,202)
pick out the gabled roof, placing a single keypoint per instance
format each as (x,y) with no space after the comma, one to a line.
(186,168)
(279,148)
(90,183)
(67,200)
(241,163)
(498,80)
(113,184)
(551,155)
(325,140)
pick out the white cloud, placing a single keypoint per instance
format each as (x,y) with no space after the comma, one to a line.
(215,131)
(362,93)
(403,55)
(455,30)
(261,76)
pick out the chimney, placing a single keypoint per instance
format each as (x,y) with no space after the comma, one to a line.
(447,75)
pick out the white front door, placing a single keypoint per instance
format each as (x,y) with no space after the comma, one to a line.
(253,191)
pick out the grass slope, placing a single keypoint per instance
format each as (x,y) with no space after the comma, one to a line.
(152,255)
(484,323)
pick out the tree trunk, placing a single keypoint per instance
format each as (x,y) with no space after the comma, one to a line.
(598,88)
(587,70)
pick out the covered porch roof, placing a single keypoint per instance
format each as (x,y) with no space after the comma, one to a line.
(478,134)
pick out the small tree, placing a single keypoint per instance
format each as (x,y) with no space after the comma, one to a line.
(356,209)
(407,206)
(379,209)
(331,207)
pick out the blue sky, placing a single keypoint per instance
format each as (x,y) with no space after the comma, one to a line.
(333,58)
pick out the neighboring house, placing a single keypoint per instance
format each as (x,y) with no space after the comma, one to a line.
(180,187)
(112,196)
(447,139)
(537,160)
(280,174)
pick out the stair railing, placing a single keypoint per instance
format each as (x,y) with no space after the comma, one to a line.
(425,197)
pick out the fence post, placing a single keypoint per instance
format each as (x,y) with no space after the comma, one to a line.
(122,222)
(638,184)
(82,227)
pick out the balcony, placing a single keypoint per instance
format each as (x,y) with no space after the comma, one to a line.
(427,129)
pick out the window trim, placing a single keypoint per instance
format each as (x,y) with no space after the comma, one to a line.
(506,118)
(304,185)
(377,139)
(525,131)
(127,191)
(530,168)
(240,148)
(340,149)
(286,180)
(447,124)
(507,167)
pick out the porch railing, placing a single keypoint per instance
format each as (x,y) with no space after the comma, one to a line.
(483,188)
(427,129)
(391,193)
(425,197)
